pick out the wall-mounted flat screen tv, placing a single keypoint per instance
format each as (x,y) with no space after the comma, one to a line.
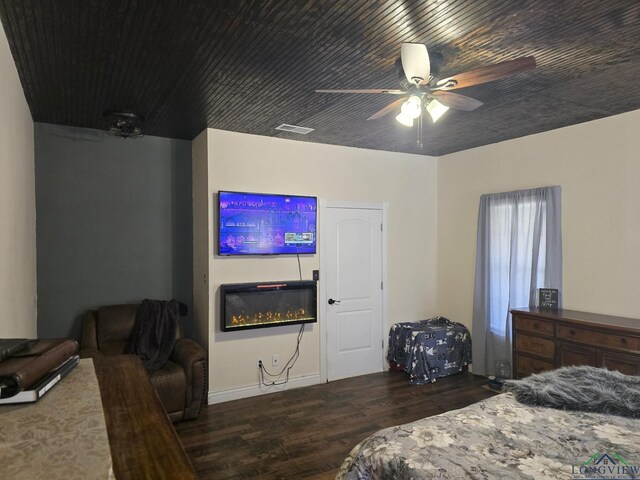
(266,224)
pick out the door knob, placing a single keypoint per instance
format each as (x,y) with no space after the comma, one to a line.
(332,301)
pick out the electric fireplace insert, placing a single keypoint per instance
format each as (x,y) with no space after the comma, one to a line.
(258,305)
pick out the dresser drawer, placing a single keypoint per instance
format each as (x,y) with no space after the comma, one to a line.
(543,347)
(526,366)
(598,338)
(532,324)
(574,354)
(624,363)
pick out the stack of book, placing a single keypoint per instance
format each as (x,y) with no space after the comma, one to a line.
(30,368)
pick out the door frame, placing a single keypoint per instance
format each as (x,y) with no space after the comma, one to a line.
(322,308)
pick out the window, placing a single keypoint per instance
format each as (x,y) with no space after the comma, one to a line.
(518,251)
(511,256)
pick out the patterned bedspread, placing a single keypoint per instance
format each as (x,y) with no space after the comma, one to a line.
(500,438)
(429,349)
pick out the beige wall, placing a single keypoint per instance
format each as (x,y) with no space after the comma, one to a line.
(598,166)
(17,205)
(262,164)
(202,212)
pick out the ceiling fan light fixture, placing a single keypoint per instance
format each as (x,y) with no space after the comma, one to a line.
(410,110)
(412,107)
(405,120)
(436,110)
(124,124)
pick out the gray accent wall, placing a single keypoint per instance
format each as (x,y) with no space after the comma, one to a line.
(113,224)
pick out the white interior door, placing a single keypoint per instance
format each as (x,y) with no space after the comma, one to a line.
(353,275)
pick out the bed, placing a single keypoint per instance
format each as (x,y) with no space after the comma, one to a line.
(429,349)
(503,438)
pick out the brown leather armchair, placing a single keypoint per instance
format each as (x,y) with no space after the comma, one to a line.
(180,383)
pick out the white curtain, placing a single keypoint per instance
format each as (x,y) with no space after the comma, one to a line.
(519,249)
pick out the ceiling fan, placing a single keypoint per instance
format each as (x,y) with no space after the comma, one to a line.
(423,90)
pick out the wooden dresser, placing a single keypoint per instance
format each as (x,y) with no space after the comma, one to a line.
(543,340)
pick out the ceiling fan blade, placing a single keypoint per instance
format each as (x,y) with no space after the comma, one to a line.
(488,73)
(388,109)
(457,101)
(415,62)
(370,90)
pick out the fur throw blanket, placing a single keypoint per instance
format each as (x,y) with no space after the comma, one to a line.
(587,389)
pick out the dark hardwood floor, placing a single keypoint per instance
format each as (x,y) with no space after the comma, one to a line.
(306,433)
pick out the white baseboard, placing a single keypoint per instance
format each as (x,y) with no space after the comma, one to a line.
(255,390)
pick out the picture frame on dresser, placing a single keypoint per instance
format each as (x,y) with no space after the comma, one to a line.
(548,298)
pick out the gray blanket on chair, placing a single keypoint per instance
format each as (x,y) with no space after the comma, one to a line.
(587,389)
(154,333)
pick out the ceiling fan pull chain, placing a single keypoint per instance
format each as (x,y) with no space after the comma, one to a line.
(419,143)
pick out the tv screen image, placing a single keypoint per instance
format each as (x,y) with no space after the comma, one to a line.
(266,224)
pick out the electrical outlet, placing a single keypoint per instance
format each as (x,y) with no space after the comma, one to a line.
(275,360)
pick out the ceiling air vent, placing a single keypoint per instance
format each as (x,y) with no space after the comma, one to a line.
(294,128)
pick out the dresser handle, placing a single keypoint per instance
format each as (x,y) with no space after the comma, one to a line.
(623,341)
(572,332)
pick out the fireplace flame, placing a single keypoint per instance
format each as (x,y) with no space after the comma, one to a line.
(269,317)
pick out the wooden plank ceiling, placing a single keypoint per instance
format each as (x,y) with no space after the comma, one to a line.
(248,66)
